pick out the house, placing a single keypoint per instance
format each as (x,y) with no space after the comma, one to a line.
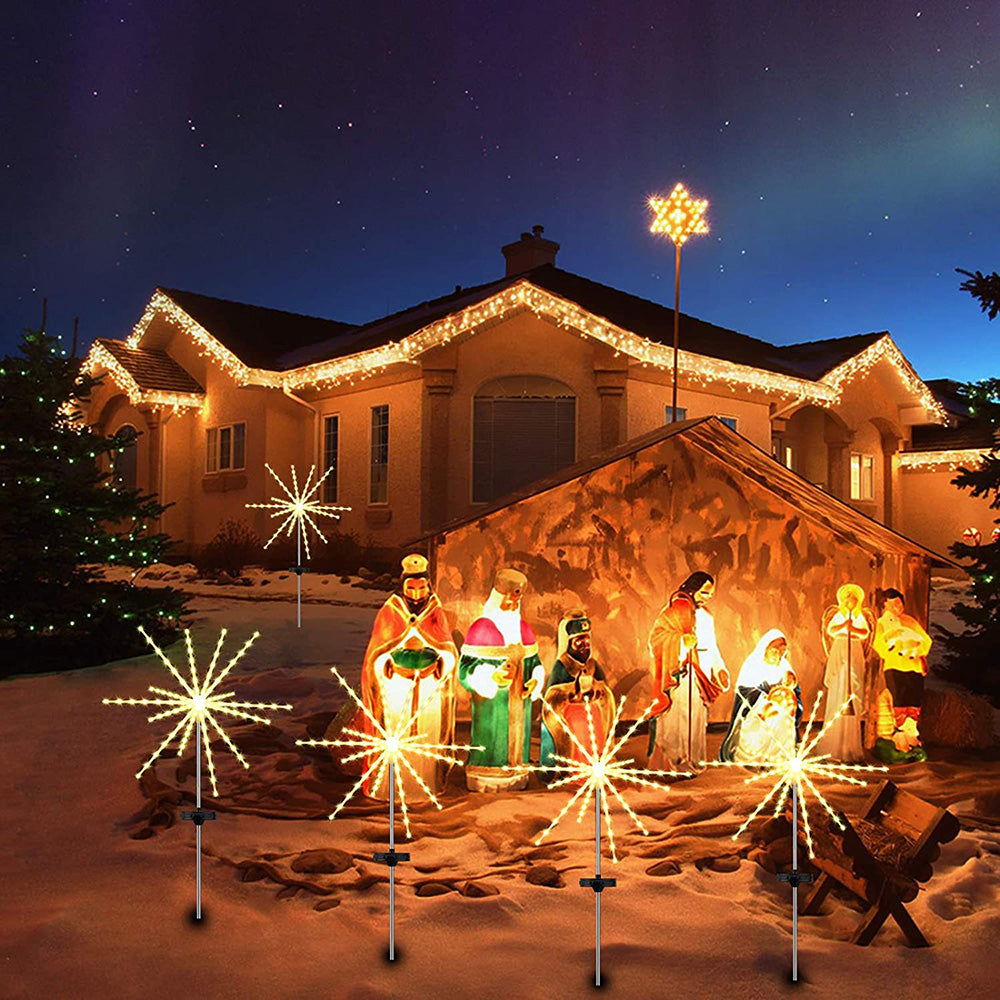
(434,413)
(617,534)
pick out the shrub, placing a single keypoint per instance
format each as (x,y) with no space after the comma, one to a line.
(235,545)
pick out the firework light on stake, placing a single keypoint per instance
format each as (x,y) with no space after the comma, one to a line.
(298,507)
(795,767)
(198,701)
(598,772)
(388,746)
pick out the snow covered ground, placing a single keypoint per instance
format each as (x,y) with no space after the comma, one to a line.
(98,875)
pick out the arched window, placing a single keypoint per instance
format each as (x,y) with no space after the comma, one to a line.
(523,429)
(125,461)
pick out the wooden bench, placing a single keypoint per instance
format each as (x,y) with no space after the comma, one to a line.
(880,857)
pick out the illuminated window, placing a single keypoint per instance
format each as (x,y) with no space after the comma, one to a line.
(668,414)
(331,453)
(862,476)
(225,447)
(523,429)
(379,489)
(125,461)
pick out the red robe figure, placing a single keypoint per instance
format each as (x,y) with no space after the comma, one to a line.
(687,676)
(409,673)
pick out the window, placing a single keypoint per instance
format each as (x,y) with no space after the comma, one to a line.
(125,460)
(523,429)
(379,490)
(331,452)
(668,414)
(225,447)
(730,422)
(862,477)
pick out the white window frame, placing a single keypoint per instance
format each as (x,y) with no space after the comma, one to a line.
(371,455)
(668,414)
(736,422)
(331,485)
(860,463)
(213,451)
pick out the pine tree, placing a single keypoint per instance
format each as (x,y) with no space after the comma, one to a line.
(973,659)
(62,515)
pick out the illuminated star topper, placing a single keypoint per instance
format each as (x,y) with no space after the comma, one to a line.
(297,507)
(598,772)
(198,702)
(387,746)
(795,766)
(679,215)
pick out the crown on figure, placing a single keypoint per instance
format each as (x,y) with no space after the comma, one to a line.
(577,626)
(415,565)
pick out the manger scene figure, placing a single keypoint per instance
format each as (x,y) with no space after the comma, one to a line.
(903,645)
(501,668)
(198,702)
(408,675)
(848,628)
(577,693)
(767,707)
(688,674)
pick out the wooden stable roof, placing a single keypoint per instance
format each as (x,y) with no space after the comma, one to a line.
(745,459)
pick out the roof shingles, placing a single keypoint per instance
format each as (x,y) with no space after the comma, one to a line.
(152,370)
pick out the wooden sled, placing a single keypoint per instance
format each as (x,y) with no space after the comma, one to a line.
(880,857)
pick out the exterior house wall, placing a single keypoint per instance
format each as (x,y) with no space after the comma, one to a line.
(619,539)
(397,521)
(521,344)
(936,512)
(650,393)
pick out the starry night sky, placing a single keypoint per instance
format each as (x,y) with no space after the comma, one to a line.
(349,160)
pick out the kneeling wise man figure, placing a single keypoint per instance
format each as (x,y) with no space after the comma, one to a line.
(500,666)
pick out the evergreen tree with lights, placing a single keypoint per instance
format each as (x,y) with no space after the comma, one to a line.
(63,515)
(972,659)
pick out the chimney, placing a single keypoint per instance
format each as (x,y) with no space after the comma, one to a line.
(529,251)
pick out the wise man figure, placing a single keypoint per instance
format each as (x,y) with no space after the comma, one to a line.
(577,697)
(408,675)
(903,644)
(500,666)
(688,674)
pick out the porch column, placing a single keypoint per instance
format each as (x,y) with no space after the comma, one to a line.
(837,443)
(890,445)
(439,383)
(611,392)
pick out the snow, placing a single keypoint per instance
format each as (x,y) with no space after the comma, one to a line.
(91,911)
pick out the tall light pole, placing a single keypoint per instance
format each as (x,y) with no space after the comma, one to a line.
(679,216)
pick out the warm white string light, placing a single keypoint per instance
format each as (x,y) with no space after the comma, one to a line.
(385,747)
(100,357)
(298,508)
(197,701)
(950,460)
(598,771)
(795,766)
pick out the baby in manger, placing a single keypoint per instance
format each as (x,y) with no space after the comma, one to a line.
(767,707)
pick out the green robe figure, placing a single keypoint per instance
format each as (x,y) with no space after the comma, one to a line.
(501,668)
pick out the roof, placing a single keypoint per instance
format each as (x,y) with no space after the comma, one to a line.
(151,369)
(971,434)
(710,434)
(949,394)
(258,336)
(640,316)
(814,358)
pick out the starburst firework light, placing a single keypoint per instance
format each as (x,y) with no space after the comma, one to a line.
(388,750)
(298,508)
(793,768)
(597,773)
(197,702)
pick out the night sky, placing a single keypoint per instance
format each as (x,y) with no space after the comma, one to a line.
(349,160)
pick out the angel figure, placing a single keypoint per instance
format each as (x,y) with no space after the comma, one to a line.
(848,628)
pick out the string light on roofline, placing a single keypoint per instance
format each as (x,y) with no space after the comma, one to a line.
(937,461)
(100,357)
